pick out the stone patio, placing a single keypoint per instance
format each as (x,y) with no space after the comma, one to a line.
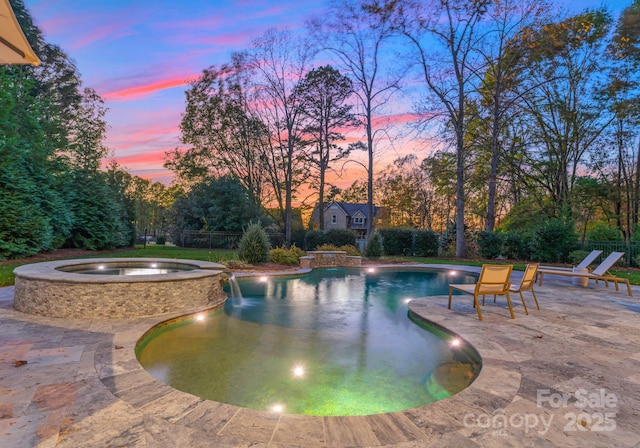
(567,375)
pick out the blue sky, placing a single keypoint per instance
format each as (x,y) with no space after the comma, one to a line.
(140,56)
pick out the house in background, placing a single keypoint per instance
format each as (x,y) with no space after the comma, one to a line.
(345,215)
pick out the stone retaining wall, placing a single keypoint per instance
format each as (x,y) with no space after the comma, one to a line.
(326,258)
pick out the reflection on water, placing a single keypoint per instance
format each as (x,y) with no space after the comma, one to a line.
(333,342)
(126,271)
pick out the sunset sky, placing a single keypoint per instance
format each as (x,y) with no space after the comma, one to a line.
(141,55)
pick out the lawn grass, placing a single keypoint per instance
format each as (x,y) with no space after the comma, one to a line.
(222,256)
(156,251)
(632,274)
(7,277)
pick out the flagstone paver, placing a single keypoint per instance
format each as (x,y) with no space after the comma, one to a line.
(565,375)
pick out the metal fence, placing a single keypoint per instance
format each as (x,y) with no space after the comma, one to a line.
(631,250)
(219,240)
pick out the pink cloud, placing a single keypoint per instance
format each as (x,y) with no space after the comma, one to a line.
(57,25)
(146,159)
(139,91)
(395,119)
(111,31)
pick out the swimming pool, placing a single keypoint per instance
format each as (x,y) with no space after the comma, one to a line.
(331,342)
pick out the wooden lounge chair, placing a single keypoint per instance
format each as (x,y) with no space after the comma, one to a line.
(526,284)
(584,264)
(494,279)
(599,273)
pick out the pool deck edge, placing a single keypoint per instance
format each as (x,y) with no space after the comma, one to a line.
(83,386)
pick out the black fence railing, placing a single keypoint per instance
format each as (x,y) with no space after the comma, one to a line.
(219,240)
(631,250)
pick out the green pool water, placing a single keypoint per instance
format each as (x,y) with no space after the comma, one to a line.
(332,342)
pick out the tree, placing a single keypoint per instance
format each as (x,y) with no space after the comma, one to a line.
(87,133)
(622,94)
(356,193)
(564,59)
(356,38)
(279,61)
(221,204)
(405,193)
(498,79)
(451,29)
(224,134)
(324,93)
(25,225)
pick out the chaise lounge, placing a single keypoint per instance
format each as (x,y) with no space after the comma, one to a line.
(584,264)
(599,273)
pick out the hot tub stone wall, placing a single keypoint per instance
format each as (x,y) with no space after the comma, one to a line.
(135,297)
(86,300)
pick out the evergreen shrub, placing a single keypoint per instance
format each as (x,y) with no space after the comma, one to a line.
(396,241)
(254,245)
(554,240)
(425,243)
(374,248)
(313,239)
(340,237)
(490,244)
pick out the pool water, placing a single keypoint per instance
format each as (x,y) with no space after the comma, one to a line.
(332,342)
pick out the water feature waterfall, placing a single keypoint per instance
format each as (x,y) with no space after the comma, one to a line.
(234,288)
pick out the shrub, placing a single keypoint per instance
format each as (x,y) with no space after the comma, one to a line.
(254,245)
(448,239)
(161,240)
(340,237)
(576,256)
(490,244)
(602,231)
(374,246)
(514,246)
(424,243)
(313,239)
(553,241)
(396,241)
(289,256)
(349,249)
(236,264)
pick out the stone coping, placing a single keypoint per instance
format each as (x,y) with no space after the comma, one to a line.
(49,270)
(240,423)
(569,345)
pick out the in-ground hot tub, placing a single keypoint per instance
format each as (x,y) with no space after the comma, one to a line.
(117,287)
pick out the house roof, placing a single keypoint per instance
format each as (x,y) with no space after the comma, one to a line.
(349,208)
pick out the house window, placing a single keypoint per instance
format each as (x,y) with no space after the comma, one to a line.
(334,219)
(358,220)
